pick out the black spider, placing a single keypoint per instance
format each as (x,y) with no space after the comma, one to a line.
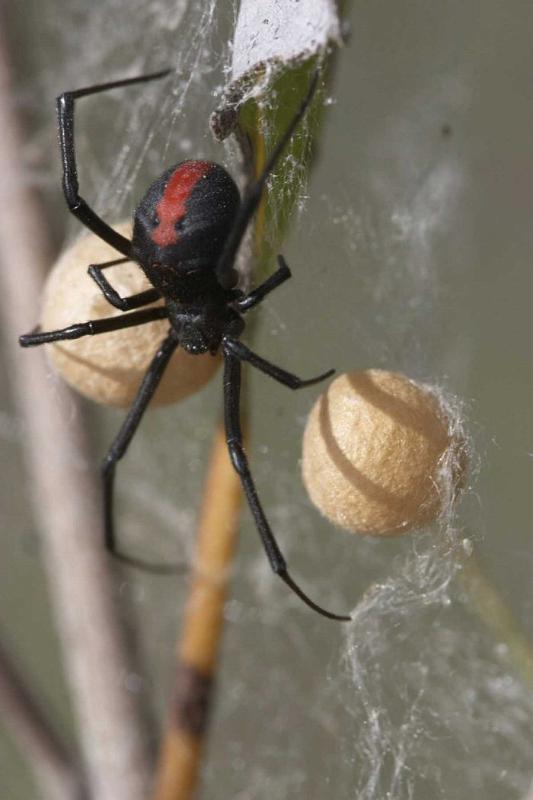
(187,230)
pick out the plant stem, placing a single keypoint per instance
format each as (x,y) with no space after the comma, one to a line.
(198,647)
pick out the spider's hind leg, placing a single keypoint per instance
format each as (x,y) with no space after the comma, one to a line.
(232,384)
(118,449)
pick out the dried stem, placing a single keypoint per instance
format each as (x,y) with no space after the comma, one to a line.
(197,649)
(67,510)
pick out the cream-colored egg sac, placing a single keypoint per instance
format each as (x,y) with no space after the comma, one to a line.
(109,367)
(373,450)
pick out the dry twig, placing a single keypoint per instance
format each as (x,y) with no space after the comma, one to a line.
(198,647)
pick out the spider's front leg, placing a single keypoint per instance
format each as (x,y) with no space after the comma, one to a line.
(76,203)
(232,385)
(252,196)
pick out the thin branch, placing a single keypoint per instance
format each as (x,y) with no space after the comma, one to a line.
(198,647)
(67,509)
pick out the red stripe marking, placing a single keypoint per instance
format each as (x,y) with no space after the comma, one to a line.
(171,207)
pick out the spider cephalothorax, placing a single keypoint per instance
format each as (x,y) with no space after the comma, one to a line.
(187,230)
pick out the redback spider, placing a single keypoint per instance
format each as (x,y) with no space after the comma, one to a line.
(186,233)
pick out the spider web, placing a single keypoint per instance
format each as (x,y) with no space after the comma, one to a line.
(415,699)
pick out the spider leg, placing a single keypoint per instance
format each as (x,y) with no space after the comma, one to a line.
(244,353)
(254,297)
(232,385)
(93,327)
(111,294)
(252,196)
(121,443)
(76,204)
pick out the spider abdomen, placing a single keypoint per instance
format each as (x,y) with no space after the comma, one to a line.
(182,223)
